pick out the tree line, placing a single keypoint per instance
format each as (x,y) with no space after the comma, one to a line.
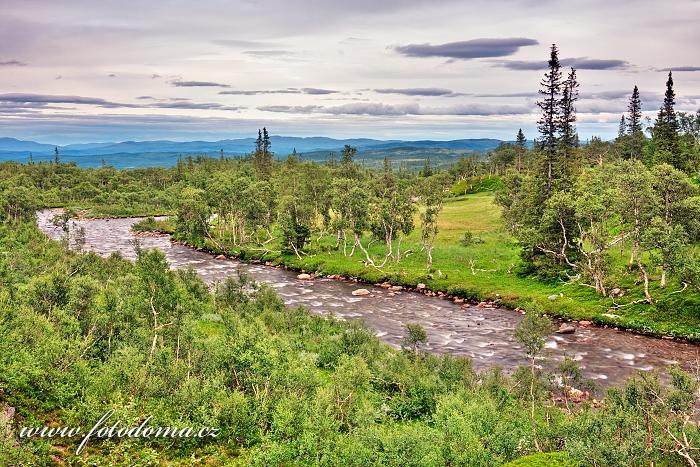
(573,205)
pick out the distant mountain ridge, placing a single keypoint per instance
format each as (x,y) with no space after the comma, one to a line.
(165,152)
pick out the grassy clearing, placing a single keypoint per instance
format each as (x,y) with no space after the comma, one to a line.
(488,271)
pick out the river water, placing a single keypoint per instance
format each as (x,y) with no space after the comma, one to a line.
(484,334)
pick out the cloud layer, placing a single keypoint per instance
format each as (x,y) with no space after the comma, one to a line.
(581,63)
(438,69)
(466,50)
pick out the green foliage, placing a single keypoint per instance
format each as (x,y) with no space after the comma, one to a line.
(284,386)
(531,331)
(544,459)
(415,336)
(476,185)
(470,239)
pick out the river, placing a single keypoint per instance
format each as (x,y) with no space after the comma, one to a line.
(485,334)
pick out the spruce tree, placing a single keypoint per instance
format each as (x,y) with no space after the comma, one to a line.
(427,168)
(634,121)
(634,125)
(622,129)
(520,148)
(259,143)
(348,155)
(568,138)
(548,125)
(665,131)
(56,155)
(266,143)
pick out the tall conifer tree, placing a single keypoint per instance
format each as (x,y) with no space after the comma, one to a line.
(634,125)
(622,128)
(520,148)
(665,131)
(548,125)
(634,120)
(568,139)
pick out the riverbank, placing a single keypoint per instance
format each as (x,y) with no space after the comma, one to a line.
(484,334)
(486,271)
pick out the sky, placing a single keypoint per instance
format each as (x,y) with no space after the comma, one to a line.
(75,71)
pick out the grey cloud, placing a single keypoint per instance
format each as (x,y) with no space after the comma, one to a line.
(381,109)
(580,63)
(620,94)
(681,68)
(198,84)
(475,48)
(509,94)
(25,101)
(12,63)
(310,91)
(256,92)
(193,106)
(317,91)
(418,91)
(244,44)
(32,100)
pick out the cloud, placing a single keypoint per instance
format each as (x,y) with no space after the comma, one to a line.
(381,109)
(580,63)
(25,101)
(620,94)
(198,84)
(418,91)
(269,53)
(33,100)
(317,91)
(309,91)
(12,63)
(465,50)
(681,68)
(244,44)
(509,94)
(193,106)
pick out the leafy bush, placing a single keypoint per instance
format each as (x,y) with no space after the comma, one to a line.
(470,239)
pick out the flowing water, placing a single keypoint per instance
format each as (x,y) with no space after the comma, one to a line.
(484,334)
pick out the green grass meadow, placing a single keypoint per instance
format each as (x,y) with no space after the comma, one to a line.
(489,270)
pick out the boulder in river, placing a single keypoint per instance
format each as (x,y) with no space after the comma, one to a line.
(420,286)
(220,257)
(360,292)
(566,328)
(584,323)
(304,277)
(396,288)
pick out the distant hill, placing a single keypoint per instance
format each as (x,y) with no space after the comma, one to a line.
(165,153)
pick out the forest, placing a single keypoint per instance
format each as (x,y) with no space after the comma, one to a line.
(607,231)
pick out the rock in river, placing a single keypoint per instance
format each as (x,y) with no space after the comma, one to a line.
(566,328)
(220,257)
(304,277)
(360,292)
